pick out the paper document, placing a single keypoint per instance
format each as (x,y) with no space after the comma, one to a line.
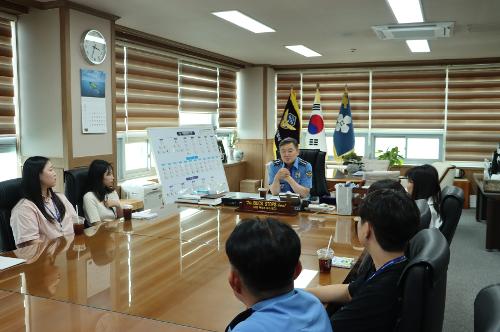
(6,262)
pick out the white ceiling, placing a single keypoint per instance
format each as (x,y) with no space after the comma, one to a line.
(330,27)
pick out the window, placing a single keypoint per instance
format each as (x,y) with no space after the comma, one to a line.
(134,156)
(416,148)
(8,156)
(194,118)
(360,142)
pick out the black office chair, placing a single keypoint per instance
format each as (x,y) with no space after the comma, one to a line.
(10,194)
(317,160)
(487,309)
(423,283)
(452,202)
(425,213)
(76,186)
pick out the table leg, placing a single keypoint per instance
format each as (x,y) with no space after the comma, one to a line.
(493,225)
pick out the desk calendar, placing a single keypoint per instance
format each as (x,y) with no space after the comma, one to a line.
(187,161)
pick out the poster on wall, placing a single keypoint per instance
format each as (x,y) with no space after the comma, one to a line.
(93,87)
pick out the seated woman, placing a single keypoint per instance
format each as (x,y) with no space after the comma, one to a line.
(101,201)
(423,183)
(42,214)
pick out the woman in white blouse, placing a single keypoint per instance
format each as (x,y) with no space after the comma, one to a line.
(423,183)
(101,201)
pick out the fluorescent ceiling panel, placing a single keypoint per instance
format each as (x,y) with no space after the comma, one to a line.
(418,46)
(407,11)
(243,21)
(302,50)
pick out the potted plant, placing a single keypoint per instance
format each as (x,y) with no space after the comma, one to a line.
(233,140)
(395,159)
(353,162)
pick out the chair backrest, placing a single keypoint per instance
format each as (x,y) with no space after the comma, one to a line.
(446,173)
(425,213)
(487,309)
(374,176)
(452,202)
(423,283)
(317,160)
(10,194)
(76,186)
(370,165)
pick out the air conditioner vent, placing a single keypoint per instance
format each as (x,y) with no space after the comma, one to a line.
(414,30)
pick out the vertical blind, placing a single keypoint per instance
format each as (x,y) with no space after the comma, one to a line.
(411,100)
(473,129)
(7,109)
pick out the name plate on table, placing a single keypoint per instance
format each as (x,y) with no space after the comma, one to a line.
(262,206)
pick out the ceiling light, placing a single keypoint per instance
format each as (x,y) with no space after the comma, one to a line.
(418,46)
(305,51)
(407,11)
(243,21)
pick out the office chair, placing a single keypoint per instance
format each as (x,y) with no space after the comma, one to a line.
(425,213)
(423,283)
(76,186)
(10,194)
(487,309)
(452,202)
(317,160)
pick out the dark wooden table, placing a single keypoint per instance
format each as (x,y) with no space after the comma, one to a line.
(488,209)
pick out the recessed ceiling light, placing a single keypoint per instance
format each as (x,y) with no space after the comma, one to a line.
(243,21)
(418,46)
(407,11)
(305,51)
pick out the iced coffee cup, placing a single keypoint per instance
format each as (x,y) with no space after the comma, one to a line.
(325,256)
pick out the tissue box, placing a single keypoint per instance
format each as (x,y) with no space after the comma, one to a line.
(249,186)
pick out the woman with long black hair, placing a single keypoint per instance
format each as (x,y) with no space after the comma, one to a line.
(423,183)
(101,201)
(42,214)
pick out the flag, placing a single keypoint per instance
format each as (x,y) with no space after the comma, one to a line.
(315,137)
(289,125)
(343,137)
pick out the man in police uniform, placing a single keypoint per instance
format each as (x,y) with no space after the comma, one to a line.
(290,173)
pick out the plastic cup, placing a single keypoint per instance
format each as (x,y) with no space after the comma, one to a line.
(127,211)
(78,224)
(263,192)
(325,256)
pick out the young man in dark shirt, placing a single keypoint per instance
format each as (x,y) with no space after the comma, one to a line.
(389,219)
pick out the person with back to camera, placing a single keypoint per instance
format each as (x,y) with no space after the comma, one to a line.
(41,214)
(389,219)
(423,183)
(290,173)
(101,201)
(264,257)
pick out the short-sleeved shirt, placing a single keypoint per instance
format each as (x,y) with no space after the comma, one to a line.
(95,210)
(296,310)
(375,304)
(436,221)
(301,172)
(28,223)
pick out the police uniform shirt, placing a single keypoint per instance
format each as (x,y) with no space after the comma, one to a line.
(301,172)
(374,305)
(296,310)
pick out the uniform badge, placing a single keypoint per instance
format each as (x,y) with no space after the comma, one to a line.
(297,175)
(309,174)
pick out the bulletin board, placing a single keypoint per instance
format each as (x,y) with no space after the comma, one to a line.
(187,161)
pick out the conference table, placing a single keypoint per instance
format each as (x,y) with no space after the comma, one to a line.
(168,273)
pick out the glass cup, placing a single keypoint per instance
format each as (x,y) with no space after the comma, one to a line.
(78,224)
(325,256)
(263,192)
(127,211)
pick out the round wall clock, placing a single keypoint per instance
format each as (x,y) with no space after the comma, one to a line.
(94,47)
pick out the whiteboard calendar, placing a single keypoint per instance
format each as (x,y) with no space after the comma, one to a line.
(187,161)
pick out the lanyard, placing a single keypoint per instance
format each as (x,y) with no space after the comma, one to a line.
(54,214)
(386,265)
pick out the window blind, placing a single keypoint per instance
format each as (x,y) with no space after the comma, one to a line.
(198,88)
(473,129)
(146,89)
(408,99)
(7,108)
(227,98)
(284,82)
(331,87)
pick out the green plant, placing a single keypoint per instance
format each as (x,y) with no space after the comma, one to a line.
(392,155)
(351,158)
(233,139)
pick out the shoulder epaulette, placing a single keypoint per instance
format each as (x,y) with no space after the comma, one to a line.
(277,162)
(302,162)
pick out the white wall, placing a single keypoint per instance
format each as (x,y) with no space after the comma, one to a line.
(88,144)
(250,93)
(271,103)
(40,83)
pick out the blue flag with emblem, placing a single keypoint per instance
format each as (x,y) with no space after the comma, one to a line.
(290,123)
(343,137)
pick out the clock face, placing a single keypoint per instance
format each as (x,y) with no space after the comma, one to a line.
(94,47)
